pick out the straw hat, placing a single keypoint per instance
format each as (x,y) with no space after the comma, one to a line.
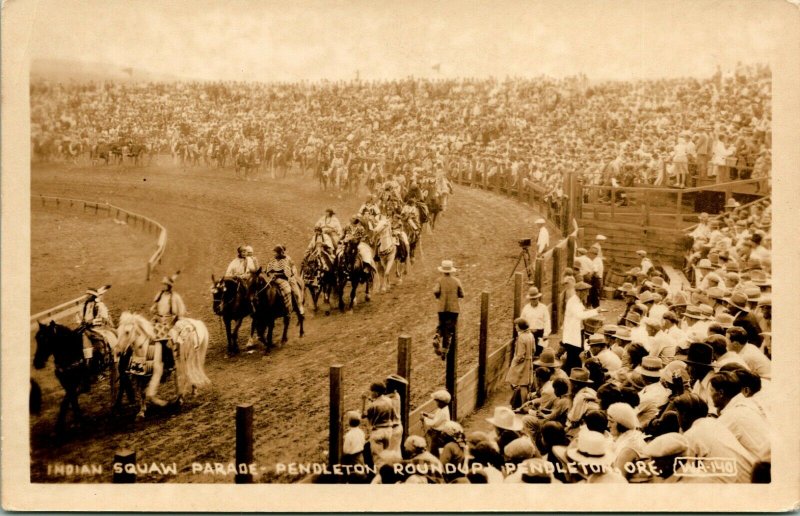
(592,448)
(623,414)
(505,419)
(447,267)
(651,366)
(533,293)
(579,375)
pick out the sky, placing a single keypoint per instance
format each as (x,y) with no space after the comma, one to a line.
(299,40)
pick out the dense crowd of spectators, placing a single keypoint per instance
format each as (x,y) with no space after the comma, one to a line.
(648,132)
(678,390)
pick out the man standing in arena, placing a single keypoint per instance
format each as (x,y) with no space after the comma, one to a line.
(448,291)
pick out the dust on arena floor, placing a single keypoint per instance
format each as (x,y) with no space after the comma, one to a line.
(208,213)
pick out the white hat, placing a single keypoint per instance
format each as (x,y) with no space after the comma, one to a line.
(540,221)
(641,252)
(592,448)
(601,237)
(505,418)
(623,414)
(441,395)
(447,266)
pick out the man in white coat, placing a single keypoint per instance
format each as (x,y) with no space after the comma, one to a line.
(542,237)
(574,315)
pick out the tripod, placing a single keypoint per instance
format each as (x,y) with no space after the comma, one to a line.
(524,256)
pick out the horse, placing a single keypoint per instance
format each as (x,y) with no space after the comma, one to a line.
(433,202)
(66,347)
(268,305)
(386,253)
(318,275)
(136,338)
(231,301)
(350,267)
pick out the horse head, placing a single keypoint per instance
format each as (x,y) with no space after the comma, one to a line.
(218,289)
(45,341)
(133,331)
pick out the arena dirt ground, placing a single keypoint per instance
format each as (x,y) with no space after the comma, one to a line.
(208,213)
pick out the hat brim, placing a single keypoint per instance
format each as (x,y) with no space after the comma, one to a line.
(647,372)
(693,316)
(440,269)
(539,363)
(577,456)
(515,427)
(537,296)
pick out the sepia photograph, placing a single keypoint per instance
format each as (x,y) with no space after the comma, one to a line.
(319,246)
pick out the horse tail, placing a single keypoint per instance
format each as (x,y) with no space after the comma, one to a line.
(192,355)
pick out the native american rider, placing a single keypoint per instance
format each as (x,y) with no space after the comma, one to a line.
(281,269)
(97,328)
(167,308)
(355,231)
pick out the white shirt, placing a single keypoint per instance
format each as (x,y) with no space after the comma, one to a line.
(354,441)
(743,418)
(756,360)
(651,399)
(609,360)
(586,266)
(440,417)
(538,317)
(646,264)
(709,437)
(597,266)
(574,315)
(542,240)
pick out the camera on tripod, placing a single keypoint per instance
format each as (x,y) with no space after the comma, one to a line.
(525,242)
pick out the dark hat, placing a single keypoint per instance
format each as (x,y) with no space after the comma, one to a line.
(547,359)
(738,300)
(279,249)
(580,375)
(700,353)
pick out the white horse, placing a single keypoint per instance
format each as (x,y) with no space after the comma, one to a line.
(190,344)
(385,253)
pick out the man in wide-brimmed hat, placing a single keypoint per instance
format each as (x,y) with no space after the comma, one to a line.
(574,315)
(743,317)
(593,455)
(542,236)
(598,348)
(538,317)
(507,425)
(167,308)
(448,291)
(699,362)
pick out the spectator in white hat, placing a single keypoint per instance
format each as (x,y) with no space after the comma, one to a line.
(434,422)
(542,236)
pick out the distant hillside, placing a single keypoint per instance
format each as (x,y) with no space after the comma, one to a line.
(80,71)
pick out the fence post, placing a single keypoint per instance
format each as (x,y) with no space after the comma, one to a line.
(451,375)
(404,370)
(580,239)
(558,270)
(336,415)
(570,250)
(244,443)
(537,272)
(122,458)
(483,349)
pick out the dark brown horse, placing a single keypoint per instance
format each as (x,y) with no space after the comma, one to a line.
(65,345)
(232,303)
(350,267)
(268,305)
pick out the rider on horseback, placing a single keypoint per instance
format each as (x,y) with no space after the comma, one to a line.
(282,270)
(96,327)
(410,215)
(369,211)
(355,232)
(331,229)
(167,308)
(243,266)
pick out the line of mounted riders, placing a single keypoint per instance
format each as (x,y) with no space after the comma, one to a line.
(383,237)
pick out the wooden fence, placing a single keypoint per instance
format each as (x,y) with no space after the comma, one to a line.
(474,388)
(145,223)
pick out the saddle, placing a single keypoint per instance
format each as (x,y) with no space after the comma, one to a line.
(143,366)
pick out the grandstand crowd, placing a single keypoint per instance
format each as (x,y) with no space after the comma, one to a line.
(676,389)
(650,132)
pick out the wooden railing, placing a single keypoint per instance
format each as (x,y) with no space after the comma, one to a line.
(70,307)
(656,206)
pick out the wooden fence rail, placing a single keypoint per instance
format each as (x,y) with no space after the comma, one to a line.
(145,223)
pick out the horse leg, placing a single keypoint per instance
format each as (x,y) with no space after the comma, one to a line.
(353,293)
(61,422)
(366,290)
(270,327)
(285,335)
